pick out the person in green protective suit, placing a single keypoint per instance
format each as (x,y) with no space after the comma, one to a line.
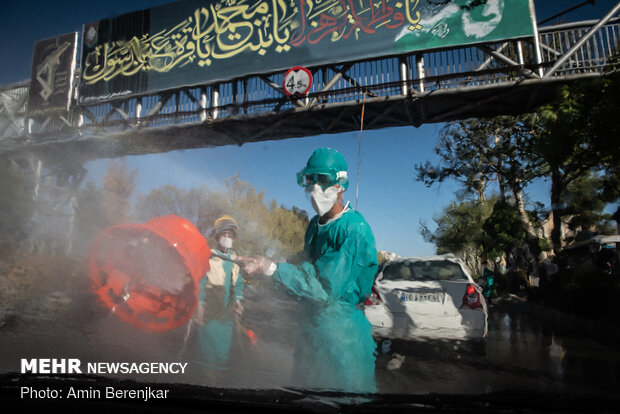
(334,345)
(221,291)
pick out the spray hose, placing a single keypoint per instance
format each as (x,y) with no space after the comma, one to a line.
(240,260)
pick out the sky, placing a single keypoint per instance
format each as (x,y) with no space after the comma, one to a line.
(390,198)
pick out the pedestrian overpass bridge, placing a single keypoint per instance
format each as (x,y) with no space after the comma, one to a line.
(500,78)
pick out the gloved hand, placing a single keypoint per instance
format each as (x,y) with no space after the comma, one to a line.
(259,265)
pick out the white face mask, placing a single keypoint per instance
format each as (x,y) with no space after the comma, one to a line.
(322,200)
(226,242)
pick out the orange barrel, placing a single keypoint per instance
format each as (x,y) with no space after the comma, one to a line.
(148,274)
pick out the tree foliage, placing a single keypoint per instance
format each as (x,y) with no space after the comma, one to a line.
(118,185)
(102,206)
(476,152)
(585,205)
(265,229)
(459,230)
(580,138)
(90,216)
(16,203)
(502,230)
(573,141)
(198,205)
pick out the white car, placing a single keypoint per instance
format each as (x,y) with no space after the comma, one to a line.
(426,298)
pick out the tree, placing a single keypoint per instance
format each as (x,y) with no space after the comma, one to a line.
(584,202)
(16,203)
(264,230)
(573,138)
(459,230)
(580,138)
(478,151)
(502,230)
(273,231)
(99,207)
(118,184)
(90,217)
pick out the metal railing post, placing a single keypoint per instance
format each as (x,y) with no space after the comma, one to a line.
(404,76)
(203,104)
(421,73)
(215,101)
(235,92)
(245,95)
(138,111)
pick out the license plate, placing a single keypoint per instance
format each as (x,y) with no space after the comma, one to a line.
(421,297)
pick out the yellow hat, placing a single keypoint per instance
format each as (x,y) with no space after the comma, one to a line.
(225,223)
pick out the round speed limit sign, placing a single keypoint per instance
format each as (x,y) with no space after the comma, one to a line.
(297,81)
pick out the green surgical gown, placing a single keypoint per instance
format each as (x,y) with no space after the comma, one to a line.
(334,345)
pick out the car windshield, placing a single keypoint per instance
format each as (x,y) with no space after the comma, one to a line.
(407,202)
(424,271)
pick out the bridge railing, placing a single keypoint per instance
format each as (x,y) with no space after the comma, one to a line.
(408,76)
(557,40)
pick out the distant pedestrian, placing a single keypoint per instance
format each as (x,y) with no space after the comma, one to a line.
(488,276)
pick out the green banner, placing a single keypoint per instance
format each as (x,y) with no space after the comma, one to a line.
(196,42)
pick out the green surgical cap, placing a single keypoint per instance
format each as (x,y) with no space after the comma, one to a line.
(327,161)
(327,158)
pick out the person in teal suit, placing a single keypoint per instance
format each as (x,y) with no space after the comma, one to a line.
(221,291)
(334,345)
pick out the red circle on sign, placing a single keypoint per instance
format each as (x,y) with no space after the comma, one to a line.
(291,86)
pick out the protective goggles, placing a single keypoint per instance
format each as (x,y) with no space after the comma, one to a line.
(324,179)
